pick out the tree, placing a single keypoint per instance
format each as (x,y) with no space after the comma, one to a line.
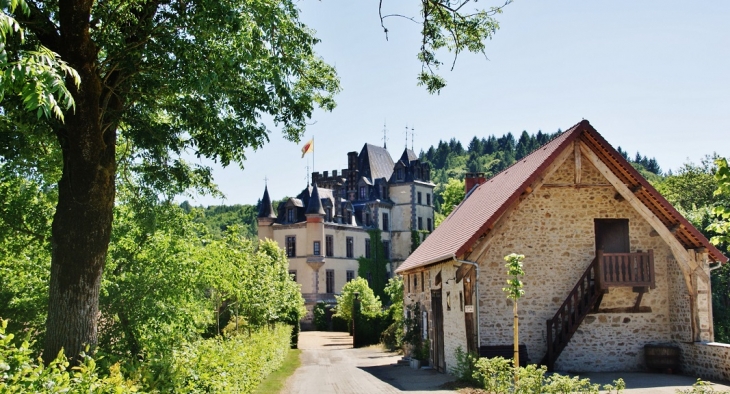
(722,211)
(452,195)
(369,302)
(152,81)
(157,79)
(514,292)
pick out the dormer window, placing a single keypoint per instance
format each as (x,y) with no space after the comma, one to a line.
(290,215)
(328,213)
(399,174)
(363,192)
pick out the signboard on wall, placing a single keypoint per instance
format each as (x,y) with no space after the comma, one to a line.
(468,308)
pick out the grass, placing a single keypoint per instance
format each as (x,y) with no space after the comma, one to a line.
(274,383)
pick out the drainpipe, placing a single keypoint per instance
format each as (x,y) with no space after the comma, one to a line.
(476,309)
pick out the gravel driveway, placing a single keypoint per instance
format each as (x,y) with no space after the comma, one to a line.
(331,365)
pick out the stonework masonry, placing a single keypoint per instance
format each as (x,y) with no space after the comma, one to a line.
(554,228)
(707,360)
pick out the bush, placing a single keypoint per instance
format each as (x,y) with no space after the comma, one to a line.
(320,316)
(465,366)
(339,324)
(234,364)
(370,327)
(497,375)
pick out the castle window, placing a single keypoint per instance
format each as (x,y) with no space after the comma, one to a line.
(386,225)
(420,223)
(329,245)
(367,248)
(293,275)
(386,248)
(428,199)
(291,215)
(350,275)
(363,192)
(367,219)
(399,174)
(317,248)
(291,246)
(349,246)
(330,281)
(419,198)
(348,217)
(428,224)
(328,212)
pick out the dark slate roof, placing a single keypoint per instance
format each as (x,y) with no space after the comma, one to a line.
(375,162)
(314,206)
(485,205)
(408,156)
(266,210)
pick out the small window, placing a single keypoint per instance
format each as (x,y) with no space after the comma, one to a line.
(363,192)
(367,248)
(420,223)
(461,301)
(348,217)
(408,279)
(428,199)
(419,198)
(293,275)
(317,248)
(429,224)
(386,225)
(448,300)
(399,174)
(329,245)
(386,249)
(349,244)
(350,275)
(330,281)
(291,215)
(328,213)
(367,219)
(415,282)
(291,246)
(422,281)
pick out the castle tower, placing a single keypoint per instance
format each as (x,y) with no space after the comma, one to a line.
(266,217)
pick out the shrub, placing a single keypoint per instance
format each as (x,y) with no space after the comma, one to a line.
(465,366)
(496,375)
(320,316)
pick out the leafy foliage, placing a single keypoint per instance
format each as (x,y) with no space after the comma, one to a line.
(392,336)
(218,218)
(722,211)
(374,268)
(369,303)
(495,375)
(514,271)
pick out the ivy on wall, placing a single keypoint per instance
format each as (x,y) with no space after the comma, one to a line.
(374,268)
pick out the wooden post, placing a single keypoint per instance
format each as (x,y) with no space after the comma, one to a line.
(599,269)
(550,345)
(517,341)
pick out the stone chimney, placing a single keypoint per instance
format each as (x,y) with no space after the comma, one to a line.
(473,179)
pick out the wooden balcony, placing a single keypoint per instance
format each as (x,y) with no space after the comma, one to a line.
(626,269)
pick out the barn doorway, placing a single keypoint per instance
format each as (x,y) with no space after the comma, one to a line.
(612,235)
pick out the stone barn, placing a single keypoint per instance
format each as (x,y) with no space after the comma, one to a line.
(610,266)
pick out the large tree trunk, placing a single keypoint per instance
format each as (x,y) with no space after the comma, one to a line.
(83,220)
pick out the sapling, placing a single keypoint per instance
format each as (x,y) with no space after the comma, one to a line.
(514,292)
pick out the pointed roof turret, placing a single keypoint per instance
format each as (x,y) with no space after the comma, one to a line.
(266,210)
(315,204)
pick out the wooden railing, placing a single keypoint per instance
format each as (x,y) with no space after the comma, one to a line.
(584,296)
(606,270)
(627,269)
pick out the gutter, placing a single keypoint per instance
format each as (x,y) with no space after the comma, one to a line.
(476,306)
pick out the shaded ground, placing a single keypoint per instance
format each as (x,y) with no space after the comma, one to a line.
(331,365)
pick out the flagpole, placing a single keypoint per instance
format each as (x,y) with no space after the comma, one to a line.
(312,153)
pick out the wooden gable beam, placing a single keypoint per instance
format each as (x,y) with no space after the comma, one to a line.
(687,264)
(578,170)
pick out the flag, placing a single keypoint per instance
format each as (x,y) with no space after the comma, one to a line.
(308,147)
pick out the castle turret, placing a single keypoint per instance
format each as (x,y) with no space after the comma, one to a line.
(266,217)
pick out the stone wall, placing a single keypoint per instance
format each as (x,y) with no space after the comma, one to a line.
(708,360)
(554,228)
(453,308)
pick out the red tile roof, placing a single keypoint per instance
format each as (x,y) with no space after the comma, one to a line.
(486,204)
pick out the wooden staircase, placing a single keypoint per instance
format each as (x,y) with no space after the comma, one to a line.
(606,270)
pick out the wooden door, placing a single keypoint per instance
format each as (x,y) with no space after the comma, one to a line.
(438,330)
(612,235)
(469,283)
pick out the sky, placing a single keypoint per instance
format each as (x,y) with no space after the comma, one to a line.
(650,76)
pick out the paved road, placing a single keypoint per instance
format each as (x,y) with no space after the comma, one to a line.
(331,365)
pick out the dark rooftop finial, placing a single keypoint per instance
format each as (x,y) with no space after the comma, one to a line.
(266,210)
(315,204)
